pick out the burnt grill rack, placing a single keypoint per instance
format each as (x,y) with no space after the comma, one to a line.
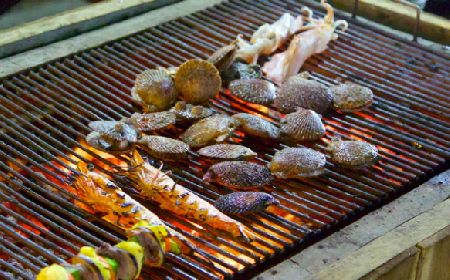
(44,113)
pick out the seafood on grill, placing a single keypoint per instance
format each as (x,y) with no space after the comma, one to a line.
(350,97)
(155,90)
(150,122)
(215,129)
(223,57)
(314,40)
(298,91)
(197,81)
(190,113)
(238,174)
(114,137)
(240,69)
(352,154)
(245,202)
(303,125)
(253,125)
(227,152)
(269,37)
(253,91)
(159,187)
(297,163)
(164,148)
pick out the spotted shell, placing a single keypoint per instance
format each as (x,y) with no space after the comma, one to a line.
(253,91)
(257,126)
(297,163)
(117,130)
(164,148)
(353,154)
(245,202)
(351,97)
(107,144)
(303,125)
(198,81)
(227,152)
(212,130)
(152,121)
(190,113)
(223,57)
(238,174)
(156,89)
(298,91)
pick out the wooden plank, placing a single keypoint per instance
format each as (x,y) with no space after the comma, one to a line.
(71,23)
(399,17)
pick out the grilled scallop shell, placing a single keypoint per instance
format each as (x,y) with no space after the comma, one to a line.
(245,202)
(297,163)
(152,121)
(238,174)
(253,90)
(117,130)
(107,144)
(240,69)
(164,148)
(156,89)
(198,81)
(298,91)
(351,97)
(257,126)
(227,152)
(303,125)
(209,131)
(353,154)
(223,57)
(190,113)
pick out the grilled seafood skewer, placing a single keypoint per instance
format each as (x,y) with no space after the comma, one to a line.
(156,185)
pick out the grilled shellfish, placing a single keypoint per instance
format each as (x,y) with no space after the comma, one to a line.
(352,154)
(227,152)
(238,174)
(152,121)
(114,137)
(198,81)
(215,129)
(164,148)
(155,90)
(190,113)
(257,126)
(351,97)
(303,125)
(297,91)
(240,69)
(223,57)
(253,90)
(245,202)
(297,163)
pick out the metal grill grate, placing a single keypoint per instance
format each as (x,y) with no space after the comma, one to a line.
(44,113)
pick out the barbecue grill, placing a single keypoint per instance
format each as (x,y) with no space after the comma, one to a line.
(44,114)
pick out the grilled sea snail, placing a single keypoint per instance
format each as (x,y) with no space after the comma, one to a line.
(257,126)
(245,202)
(303,125)
(351,97)
(152,121)
(190,113)
(353,154)
(114,137)
(297,163)
(253,90)
(164,148)
(154,90)
(227,152)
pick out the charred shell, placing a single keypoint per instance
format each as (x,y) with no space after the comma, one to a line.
(297,163)
(245,202)
(351,97)
(298,91)
(227,152)
(198,81)
(164,148)
(238,174)
(152,121)
(117,130)
(209,131)
(190,113)
(353,154)
(253,91)
(303,125)
(240,69)
(107,144)
(257,126)
(154,89)
(223,57)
